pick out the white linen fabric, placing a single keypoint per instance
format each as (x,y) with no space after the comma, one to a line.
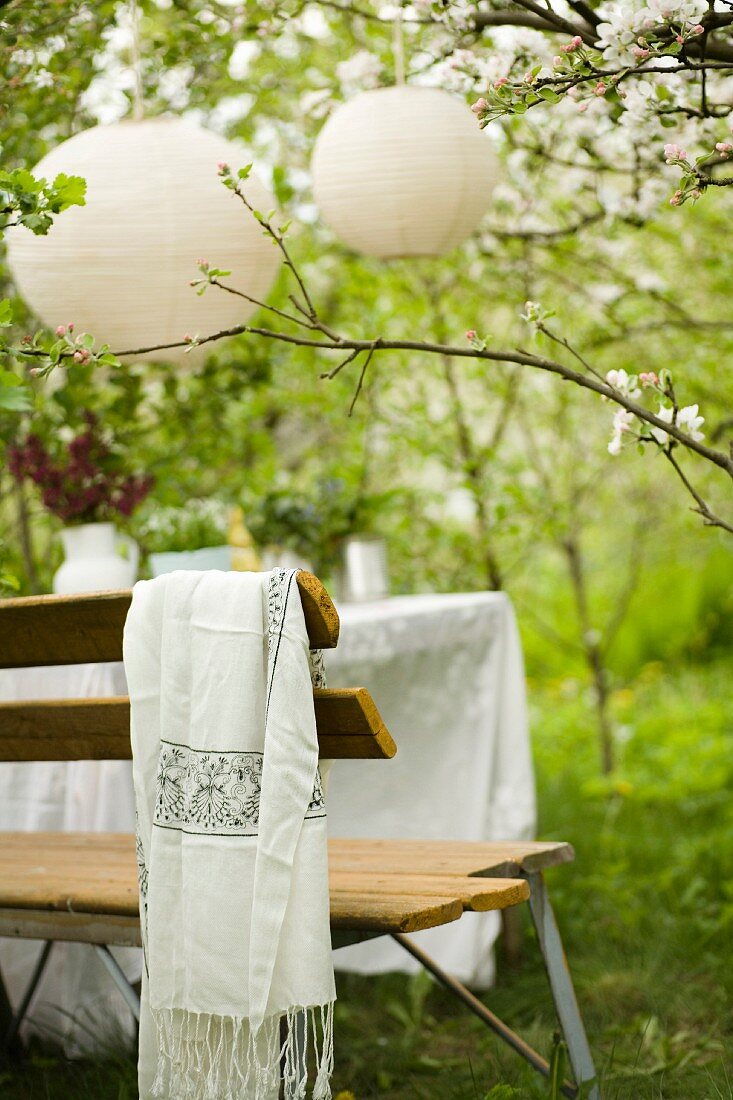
(231,839)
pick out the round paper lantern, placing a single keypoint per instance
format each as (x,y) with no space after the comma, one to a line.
(120,267)
(403,171)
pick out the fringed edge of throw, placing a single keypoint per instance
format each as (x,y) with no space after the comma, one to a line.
(205,1057)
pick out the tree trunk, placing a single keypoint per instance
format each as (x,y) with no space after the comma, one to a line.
(592,651)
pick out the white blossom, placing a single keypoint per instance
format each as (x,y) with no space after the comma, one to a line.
(687,420)
(625,384)
(665,413)
(622,421)
(363,70)
(626,22)
(43,79)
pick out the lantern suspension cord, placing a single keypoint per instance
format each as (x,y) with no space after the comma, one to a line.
(138,110)
(398,48)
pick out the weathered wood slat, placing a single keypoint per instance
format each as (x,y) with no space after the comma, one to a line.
(38,924)
(456,859)
(350,727)
(348,722)
(478,895)
(490,859)
(392,912)
(71,630)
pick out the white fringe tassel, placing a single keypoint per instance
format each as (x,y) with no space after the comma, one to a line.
(204,1057)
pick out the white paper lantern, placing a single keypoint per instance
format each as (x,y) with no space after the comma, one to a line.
(120,267)
(403,171)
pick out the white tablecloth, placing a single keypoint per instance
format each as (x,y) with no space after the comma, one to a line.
(446,673)
(76,1001)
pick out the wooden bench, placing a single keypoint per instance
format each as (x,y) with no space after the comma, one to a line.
(82,887)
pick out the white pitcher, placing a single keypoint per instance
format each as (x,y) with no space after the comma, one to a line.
(94,562)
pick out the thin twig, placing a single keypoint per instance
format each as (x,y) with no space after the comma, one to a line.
(360,383)
(262,305)
(710,519)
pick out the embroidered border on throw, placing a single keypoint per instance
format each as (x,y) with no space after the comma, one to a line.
(202,791)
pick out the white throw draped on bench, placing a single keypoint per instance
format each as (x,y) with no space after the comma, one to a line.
(231,839)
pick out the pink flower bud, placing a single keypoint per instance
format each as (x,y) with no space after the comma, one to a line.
(70,326)
(574,44)
(698,29)
(187,338)
(500,82)
(471,335)
(35,371)
(676,199)
(640,53)
(648,378)
(479,106)
(78,357)
(600,88)
(674,152)
(61,330)
(680,39)
(223,168)
(725,148)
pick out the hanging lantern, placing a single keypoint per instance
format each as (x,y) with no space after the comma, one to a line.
(403,171)
(120,267)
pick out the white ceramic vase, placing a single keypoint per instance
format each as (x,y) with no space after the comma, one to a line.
(94,560)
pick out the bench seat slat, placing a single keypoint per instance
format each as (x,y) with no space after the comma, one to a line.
(349,727)
(72,630)
(491,859)
(477,895)
(391,912)
(78,876)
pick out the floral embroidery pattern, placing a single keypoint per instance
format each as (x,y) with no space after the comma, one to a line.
(142,871)
(277,601)
(202,791)
(142,881)
(317,806)
(318,669)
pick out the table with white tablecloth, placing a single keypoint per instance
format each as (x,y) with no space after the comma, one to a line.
(446,673)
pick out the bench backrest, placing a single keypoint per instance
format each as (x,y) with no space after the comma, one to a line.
(68,630)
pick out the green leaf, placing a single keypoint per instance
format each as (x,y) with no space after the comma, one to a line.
(6,313)
(14,396)
(70,191)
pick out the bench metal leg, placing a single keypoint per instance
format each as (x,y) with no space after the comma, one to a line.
(117,975)
(561,987)
(14,1026)
(563,994)
(6,1009)
(479,1009)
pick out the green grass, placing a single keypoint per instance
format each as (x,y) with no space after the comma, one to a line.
(646,911)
